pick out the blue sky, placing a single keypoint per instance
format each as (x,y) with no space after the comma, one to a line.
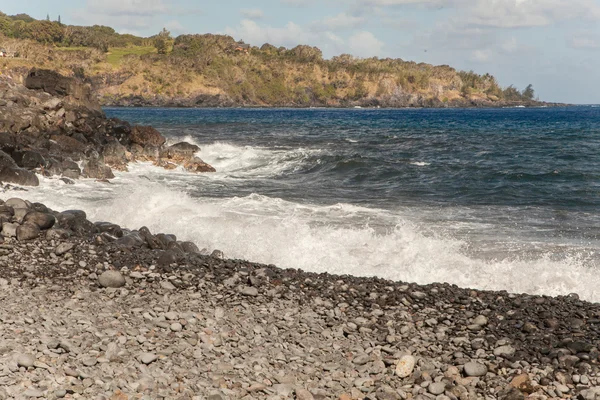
(552,44)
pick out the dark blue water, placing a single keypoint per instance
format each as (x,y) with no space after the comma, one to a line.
(439,157)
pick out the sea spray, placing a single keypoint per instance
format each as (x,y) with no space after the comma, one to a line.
(339,239)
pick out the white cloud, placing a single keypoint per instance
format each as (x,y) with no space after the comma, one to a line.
(251,32)
(127,7)
(130,16)
(339,22)
(252,13)
(361,44)
(365,44)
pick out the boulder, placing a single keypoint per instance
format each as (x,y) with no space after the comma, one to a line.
(130,241)
(97,170)
(115,155)
(190,247)
(76,222)
(18,176)
(181,150)
(150,240)
(42,220)
(6,160)
(111,279)
(107,227)
(8,141)
(9,229)
(195,164)
(68,145)
(15,203)
(147,135)
(28,231)
(79,94)
(30,160)
(169,257)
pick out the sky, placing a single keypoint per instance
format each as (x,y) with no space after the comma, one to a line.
(552,44)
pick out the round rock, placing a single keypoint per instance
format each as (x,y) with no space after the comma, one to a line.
(43,220)
(25,360)
(111,279)
(437,388)
(16,203)
(405,366)
(504,351)
(27,231)
(473,368)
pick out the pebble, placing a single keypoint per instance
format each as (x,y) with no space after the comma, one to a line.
(111,279)
(405,366)
(176,327)
(249,291)
(504,351)
(437,388)
(148,358)
(474,368)
(26,360)
(32,392)
(167,285)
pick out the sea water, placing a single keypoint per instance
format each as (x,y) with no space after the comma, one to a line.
(502,199)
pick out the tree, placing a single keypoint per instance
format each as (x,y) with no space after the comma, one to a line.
(163,42)
(528,93)
(60,23)
(47,17)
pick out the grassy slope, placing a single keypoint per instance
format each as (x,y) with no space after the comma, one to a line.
(257,78)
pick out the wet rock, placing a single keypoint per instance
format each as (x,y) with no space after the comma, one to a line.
(18,176)
(115,155)
(97,170)
(190,247)
(146,135)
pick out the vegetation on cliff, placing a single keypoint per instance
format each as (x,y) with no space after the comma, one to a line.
(215,70)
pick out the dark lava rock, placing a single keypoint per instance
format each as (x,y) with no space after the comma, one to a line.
(190,247)
(18,176)
(42,220)
(147,135)
(97,170)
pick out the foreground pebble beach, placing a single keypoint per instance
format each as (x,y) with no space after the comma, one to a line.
(97,311)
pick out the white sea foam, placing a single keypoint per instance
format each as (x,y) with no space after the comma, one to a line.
(420,163)
(340,239)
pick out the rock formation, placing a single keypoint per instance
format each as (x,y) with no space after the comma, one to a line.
(52,122)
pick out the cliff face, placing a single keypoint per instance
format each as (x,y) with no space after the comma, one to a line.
(52,122)
(210,71)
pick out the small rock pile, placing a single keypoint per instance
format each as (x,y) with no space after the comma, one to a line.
(89,314)
(51,123)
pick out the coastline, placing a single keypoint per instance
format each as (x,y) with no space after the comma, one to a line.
(225,328)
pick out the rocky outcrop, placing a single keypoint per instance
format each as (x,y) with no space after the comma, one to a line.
(52,122)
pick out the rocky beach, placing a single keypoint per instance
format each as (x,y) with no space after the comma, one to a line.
(94,310)
(97,311)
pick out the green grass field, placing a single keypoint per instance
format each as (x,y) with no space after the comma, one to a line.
(115,55)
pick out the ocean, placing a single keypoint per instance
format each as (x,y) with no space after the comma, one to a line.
(499,199)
